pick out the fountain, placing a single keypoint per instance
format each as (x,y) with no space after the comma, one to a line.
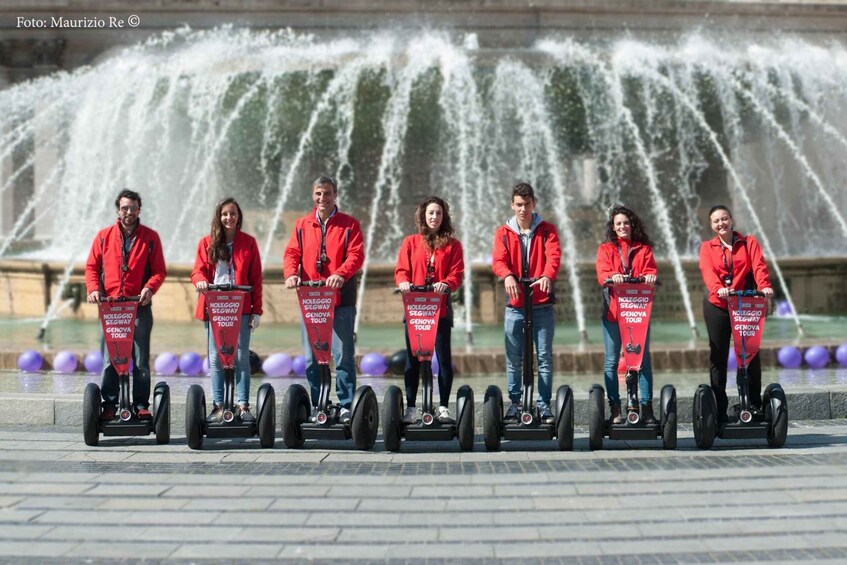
(667,128)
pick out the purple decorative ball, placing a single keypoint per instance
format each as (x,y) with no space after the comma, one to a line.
(789,357)
(206,368)
(732,362)
(783,308)
(94,361)
(190,363)
(841,354)
(817,357)
(373,364)
(277,365)
(65,362)
(298,365)
(166,363)
(30,361)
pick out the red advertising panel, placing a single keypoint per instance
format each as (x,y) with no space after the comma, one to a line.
(747,315)
(422,310)
(635,301)
(224,309)
(318,308)
(118,320)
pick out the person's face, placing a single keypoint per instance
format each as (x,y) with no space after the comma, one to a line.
(433,215)
(622,227)
(523,208)
(721,223)
(324,197)
(128,212)
(229,217)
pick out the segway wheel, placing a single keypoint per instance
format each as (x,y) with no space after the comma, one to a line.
(564,418)
(365,422)
(195,414)
(91,414)
(295,412)
(492,418)
(704,414)
(776,413)
(668,408)
(266,423)
(595,417)
(465,413)
(162,413)
(392,414)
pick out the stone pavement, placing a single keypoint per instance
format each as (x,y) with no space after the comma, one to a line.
(130,499)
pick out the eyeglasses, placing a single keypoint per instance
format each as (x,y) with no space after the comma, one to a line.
(126,209)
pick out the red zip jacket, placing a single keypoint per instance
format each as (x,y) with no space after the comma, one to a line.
(345,252)
(449,265)
(545,255)
(746,258)
(145,263)
(246,266)
(638,255)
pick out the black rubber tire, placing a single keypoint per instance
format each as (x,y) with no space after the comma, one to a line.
(492,418)
(266,424)
(91,414)
(564,421)
(595,418)
(392,414)
(465,415)
(669,419)
(195,416)
(365,422)
(704,413)
(776,411)
(162,413)
(295,412)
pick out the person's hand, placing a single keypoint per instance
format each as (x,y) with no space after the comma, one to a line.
(405,287)
(650,280)
(94,297)
(768,292)
(723,292)
(292,282)
(617,279)
(254,322)
(441,288)
(335,281)
(544,284)
(201,286)
(511,284)
(145,297)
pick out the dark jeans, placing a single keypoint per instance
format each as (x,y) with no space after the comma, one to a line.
(140,361)
(343,353)
(720,334)
(445,364)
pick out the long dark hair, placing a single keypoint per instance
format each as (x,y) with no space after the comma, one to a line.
(434,239)
(638,235)
(218,249)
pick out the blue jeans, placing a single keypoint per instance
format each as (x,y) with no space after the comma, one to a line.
(140,362)
(612,343)
(543,326)
(343,351)
(242,365)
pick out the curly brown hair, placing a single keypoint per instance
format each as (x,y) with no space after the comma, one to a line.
(218,249)
(434,239)
(639,234)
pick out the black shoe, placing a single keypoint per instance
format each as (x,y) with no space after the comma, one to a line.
(647,416)
(245,414)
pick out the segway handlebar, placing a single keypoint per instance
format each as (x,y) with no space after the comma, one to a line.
(416,288)
(135,298)
(227,287)
(312,283)
(629,280)
(746,293)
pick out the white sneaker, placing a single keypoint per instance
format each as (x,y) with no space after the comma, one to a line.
(444,415)
(411,415)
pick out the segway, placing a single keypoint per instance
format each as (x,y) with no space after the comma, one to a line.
(422,307)
(528,425)
(634,304)
(224,304)
(117,316)
(747,316)
(317,303)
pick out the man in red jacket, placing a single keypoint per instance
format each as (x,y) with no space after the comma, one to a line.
(126,259)
(528,247)
(328,245)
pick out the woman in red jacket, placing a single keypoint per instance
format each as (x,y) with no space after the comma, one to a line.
(432,256)
(627,252)
(228,255)
(730,261)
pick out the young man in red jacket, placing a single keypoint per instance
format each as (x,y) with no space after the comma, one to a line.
(528,247)
(126,259)
(328,245)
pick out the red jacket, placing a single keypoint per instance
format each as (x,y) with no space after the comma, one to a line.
(449,265)
(246,266)
(145,263)
(345,252)
(640,259)
(746,259)
(544,257)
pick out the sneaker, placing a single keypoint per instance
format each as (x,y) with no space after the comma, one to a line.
(314,416)
(143,413)
(513,412)
(411,415)
(246,415)
(616,417)
(344,415)
(217,414)
(108,413)
(545,414)
(444,415)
